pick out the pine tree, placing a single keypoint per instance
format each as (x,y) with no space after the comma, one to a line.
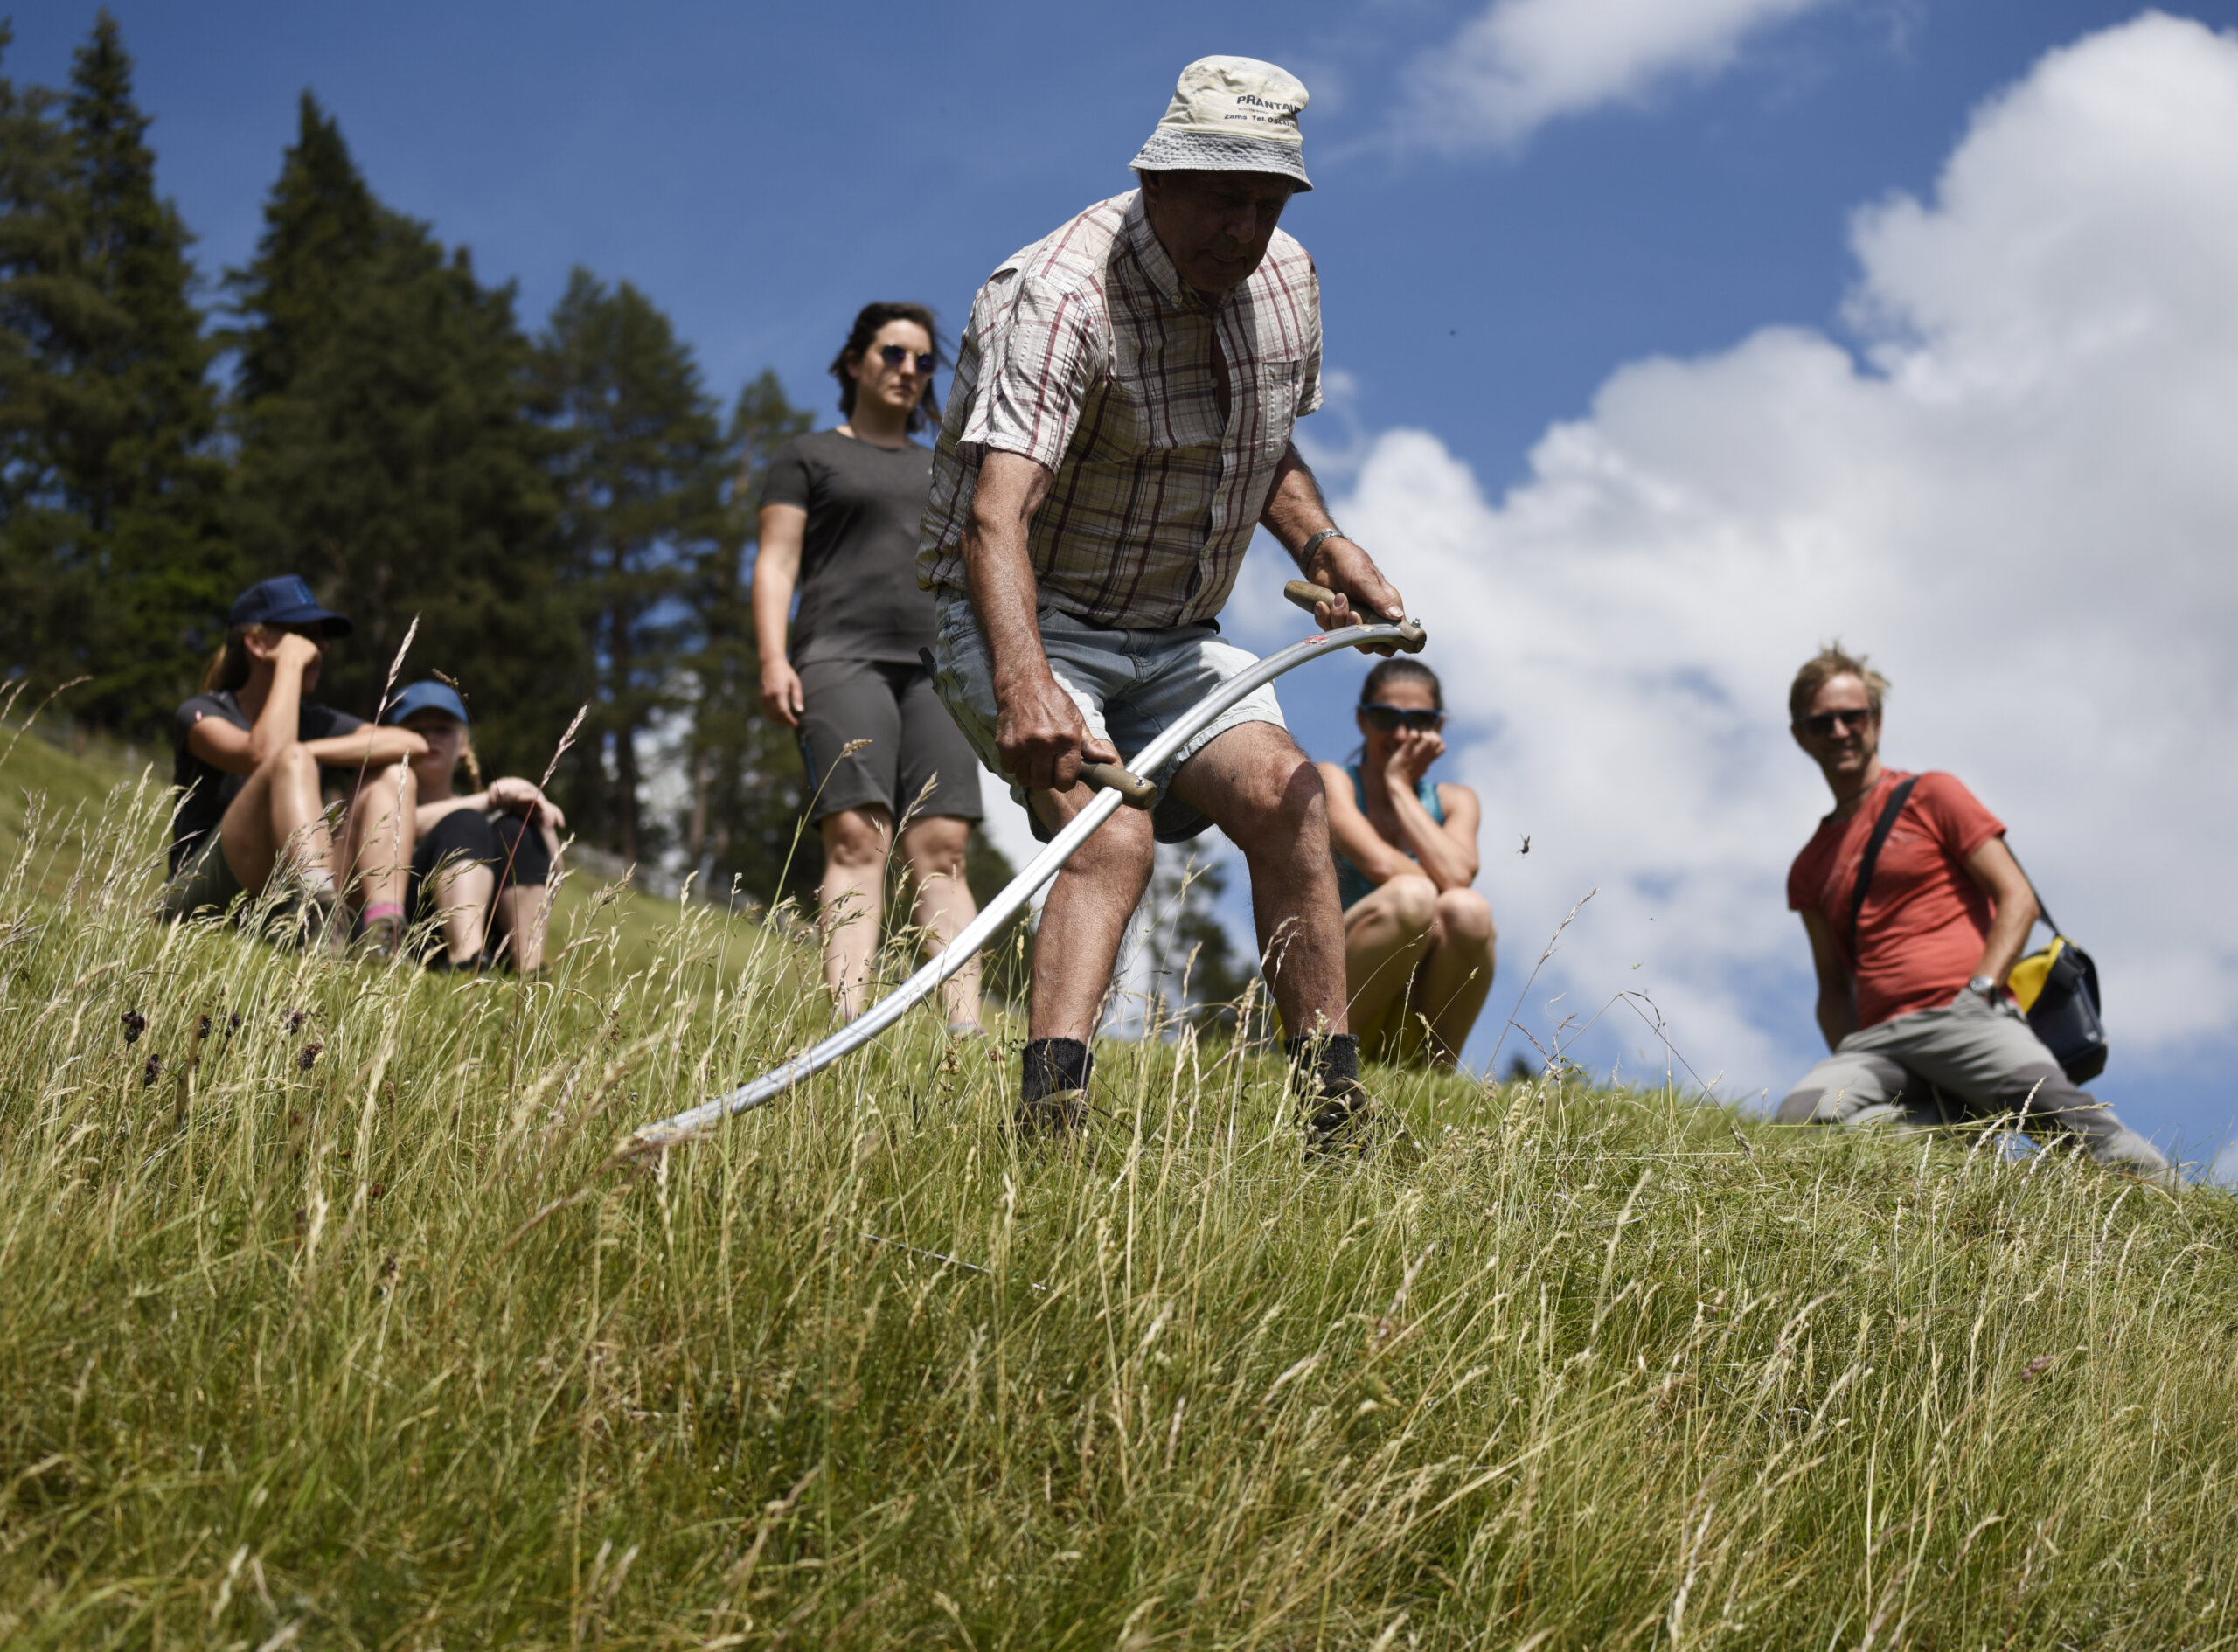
(748,781)
(388,453)
(42,595)
(641,468)
(124,543)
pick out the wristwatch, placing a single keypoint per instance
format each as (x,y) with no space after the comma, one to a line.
(1986,985)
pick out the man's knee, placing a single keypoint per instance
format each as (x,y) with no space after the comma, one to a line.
(1260,788)
(1466,916)
(1841,1088)
(1125,846)
(1801,1106)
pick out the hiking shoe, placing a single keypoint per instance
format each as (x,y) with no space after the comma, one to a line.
(1059,1115)
(379,938)
(1343,1124)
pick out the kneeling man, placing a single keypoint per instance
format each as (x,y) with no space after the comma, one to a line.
(1911,984)
(1119,425)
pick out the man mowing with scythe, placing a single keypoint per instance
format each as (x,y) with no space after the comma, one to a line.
(1119,423)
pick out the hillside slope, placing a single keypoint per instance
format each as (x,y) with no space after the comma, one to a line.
(335,1325)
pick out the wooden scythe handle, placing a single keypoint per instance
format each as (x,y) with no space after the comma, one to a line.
(1133,789)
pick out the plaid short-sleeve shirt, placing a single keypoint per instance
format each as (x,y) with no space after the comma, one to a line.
(1088,352)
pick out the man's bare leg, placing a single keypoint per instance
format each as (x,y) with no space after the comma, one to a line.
(1085,917)
(933,849)
(1265,795)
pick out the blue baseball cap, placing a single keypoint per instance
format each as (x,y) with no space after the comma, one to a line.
(429,696)
(286,600)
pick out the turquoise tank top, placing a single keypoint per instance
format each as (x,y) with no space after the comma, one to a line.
(1352,886)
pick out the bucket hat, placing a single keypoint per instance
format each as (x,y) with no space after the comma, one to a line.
(1231,114)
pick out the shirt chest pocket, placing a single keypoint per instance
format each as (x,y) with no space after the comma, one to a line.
(1275,382)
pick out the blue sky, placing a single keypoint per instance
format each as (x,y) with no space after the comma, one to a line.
(761,171)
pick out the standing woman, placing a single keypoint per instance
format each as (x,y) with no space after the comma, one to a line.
(840,511)
(1419,942)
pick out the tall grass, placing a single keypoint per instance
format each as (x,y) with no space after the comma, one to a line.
(335,1325)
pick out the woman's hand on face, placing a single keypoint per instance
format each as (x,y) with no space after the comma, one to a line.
(781,692)
(297,651)
(1412,755)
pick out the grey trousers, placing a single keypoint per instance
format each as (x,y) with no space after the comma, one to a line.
(1985,1059)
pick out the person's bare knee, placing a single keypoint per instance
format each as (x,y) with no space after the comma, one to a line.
(1413,903)
(937,848)
(1259,788)
(1465,917)
(855,839)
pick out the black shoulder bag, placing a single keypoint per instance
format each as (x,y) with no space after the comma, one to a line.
(2063,1008)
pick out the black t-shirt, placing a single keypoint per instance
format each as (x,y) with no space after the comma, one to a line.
(859,599)
(209,788)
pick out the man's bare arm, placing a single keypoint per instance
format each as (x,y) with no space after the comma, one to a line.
(1294,513)
(1039,730)
(1993,867)
(1837,996)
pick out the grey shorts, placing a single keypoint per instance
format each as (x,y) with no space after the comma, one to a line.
(913,742)
(1131,686)
(204,885)
(1964,1060)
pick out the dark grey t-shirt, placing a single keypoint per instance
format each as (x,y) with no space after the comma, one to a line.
(209,788)
(859,599)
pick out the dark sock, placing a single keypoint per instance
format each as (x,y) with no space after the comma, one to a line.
(1324,1064)
(1054,1065)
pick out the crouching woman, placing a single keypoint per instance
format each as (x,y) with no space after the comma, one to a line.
(1419,941)
(483,862)
(253,752)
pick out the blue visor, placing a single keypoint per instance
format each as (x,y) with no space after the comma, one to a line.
(429,696)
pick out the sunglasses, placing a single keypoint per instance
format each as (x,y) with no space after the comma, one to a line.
(1826,722)
(897,355)
(1387,718)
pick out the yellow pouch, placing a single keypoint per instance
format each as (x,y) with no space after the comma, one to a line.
(2029,975)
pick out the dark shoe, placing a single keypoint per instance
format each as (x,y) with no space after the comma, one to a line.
(1343,1125)
(1058,1115)
(379,938)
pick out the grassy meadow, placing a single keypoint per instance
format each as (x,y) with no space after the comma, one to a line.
(327,1319)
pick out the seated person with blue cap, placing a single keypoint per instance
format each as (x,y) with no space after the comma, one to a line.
(251,750)
(485,856)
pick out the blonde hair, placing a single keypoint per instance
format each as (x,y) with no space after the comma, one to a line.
(229,666)
(466,757)
(1822,668)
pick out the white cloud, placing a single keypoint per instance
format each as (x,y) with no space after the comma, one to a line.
(1523,63)
(2023,503)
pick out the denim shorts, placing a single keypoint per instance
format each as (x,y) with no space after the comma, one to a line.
(1131,686)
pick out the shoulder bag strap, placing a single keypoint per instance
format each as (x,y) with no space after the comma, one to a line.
(1881,828)
(2042,910)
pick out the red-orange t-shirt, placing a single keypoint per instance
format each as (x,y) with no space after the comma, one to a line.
(1920,936)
